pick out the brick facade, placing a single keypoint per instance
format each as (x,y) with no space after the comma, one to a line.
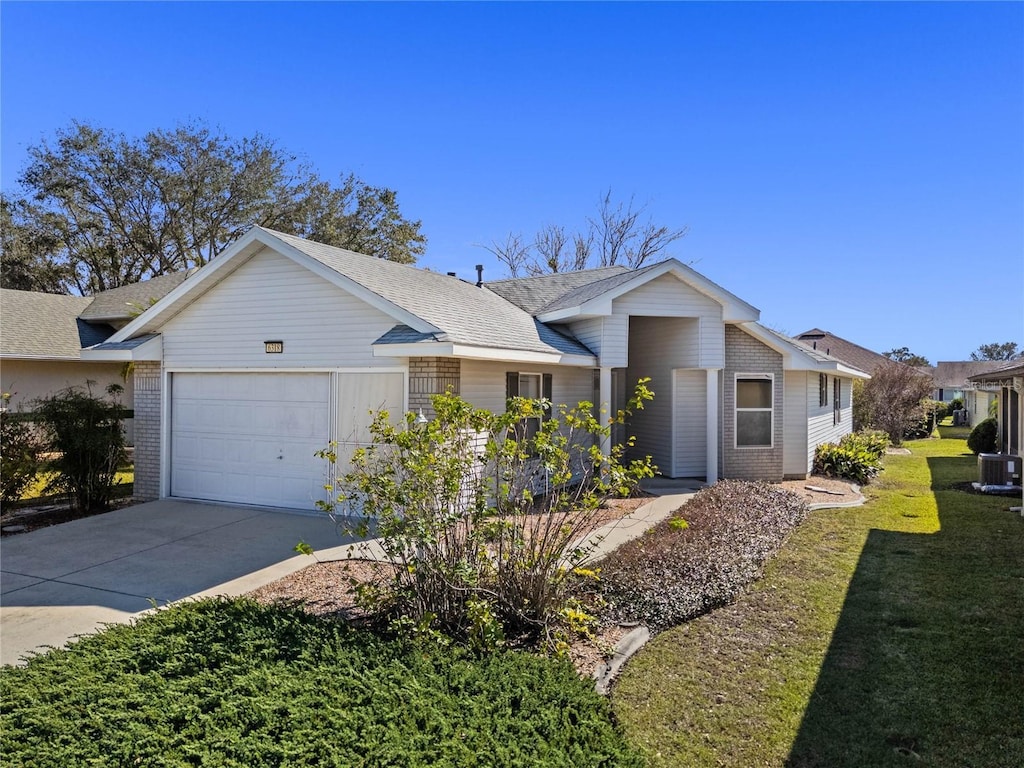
(432,376)
(745,354)
(147,431)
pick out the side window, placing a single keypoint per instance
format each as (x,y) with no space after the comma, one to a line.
(837,391)
(754,410)
(532,386)
(822,390)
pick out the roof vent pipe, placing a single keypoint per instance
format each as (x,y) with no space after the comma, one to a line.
(479,275)
(814,345)
(451,274)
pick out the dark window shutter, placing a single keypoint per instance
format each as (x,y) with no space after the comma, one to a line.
(545,392)
(511,384)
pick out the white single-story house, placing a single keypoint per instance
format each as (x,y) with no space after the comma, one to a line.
(42,336)
(281,345)
(1005,383)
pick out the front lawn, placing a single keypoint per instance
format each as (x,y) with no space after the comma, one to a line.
(233,683)
(885,635)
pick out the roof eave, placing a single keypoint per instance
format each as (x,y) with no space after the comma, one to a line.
(471,352)
(152,351)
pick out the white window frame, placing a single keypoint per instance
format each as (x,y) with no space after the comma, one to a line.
(736,410)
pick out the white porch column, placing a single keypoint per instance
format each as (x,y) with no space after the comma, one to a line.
(605,403)
(712,425)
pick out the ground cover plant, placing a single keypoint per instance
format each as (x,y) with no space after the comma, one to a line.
(881,635)
(857,456)
(231,683)
(699,558)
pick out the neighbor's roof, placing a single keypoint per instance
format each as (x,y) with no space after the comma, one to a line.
(1005,369)
(820,360)
(953,375)
(127,301)
(852,354)
(46,325)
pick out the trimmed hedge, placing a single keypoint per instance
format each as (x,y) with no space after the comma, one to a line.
(983,437)
(232,683)
(679,570)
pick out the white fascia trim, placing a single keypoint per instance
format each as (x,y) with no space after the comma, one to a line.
(149,320)
(34,358)
(853,373)
(152,350)
(349,285)
(450,349)
(734,309)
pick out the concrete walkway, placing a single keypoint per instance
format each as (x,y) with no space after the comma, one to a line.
(71,579)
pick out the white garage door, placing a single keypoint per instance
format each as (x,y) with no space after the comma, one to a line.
(250,438)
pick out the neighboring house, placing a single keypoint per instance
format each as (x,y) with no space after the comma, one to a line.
(952,381)
(854,355)
(1007,383)
(42,336)
(281,345)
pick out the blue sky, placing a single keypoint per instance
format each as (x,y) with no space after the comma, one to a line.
(853,166)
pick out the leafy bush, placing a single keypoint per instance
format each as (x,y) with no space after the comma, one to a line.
(983,437)
(678,571)
(956,404)
(224,682)
(857,456)
(19,454)
(86,435)
(486,514)
(891,400)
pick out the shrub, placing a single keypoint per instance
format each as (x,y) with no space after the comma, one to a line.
(19,454)
(956,404)
(486,514)
(892,400)
(676,572)
(228,682)
(86,435)
(857,456)
(983,437)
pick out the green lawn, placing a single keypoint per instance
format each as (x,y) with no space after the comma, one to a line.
(36,492)
(886,635)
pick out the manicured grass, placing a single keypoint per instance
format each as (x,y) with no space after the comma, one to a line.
(234,683)
(884,635)
(36,493)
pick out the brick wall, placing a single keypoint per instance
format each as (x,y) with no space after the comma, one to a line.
(745,354)
(147,431)
(432,376)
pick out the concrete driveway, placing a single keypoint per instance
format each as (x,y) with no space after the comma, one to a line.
(70,579)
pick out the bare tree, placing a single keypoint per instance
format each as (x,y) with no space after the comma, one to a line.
(622,238)
(894,398)
(616,234)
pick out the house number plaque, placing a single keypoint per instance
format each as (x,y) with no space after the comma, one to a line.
(273,347)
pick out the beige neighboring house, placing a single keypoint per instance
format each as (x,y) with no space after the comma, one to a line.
(42,336)
(280,346)
(1006,383)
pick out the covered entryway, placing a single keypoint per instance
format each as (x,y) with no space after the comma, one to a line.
(250,438)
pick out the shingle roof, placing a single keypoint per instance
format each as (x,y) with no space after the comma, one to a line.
(46,325)
(954,375)
(841,349)
(125,302)
(1005,369)
(464,313)
(536,294)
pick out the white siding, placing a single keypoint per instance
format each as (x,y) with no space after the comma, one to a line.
(797,391)
(483,383)
(606,337)
(272,298)
(690,419)
(820,427)
(667,296)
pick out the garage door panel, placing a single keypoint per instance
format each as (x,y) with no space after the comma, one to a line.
(252,437)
